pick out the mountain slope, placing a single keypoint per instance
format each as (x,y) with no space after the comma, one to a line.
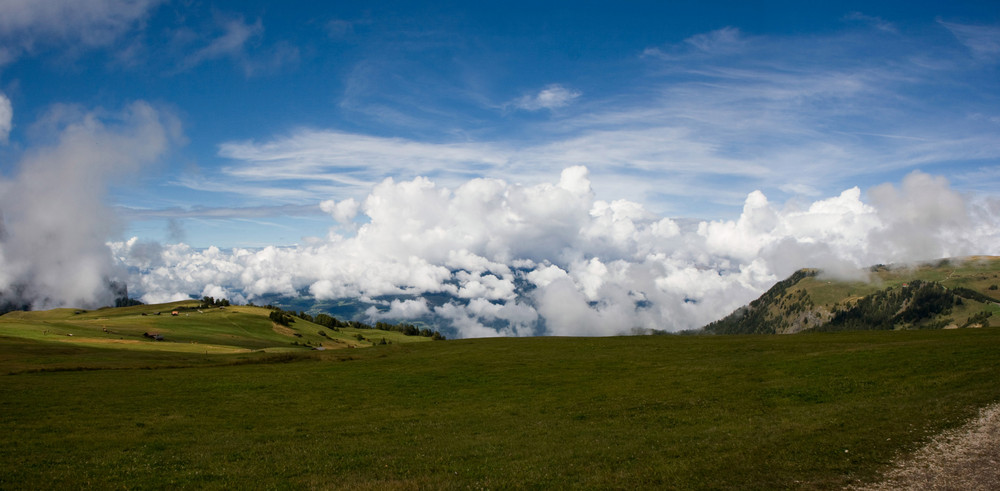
(952,293)
(194,329)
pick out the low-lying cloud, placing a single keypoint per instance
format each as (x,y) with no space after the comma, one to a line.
(54,223)
(551,259)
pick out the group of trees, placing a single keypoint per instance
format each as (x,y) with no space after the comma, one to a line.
(884,309)
(408,330)
(286,317)
(912,304)
(209,302)
(763,315)
(127,302)
(281,317)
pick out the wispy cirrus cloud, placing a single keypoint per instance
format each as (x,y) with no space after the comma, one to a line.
(708,120)
(983,41)
(792,116)
(236,39)
(27,25)
(218,212)
(231,42)
(334,162)
(875,21)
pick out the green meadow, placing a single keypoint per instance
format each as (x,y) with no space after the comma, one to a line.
(59,338)
(808,411)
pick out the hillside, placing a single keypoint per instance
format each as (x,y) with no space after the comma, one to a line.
(194,329)
(951,293)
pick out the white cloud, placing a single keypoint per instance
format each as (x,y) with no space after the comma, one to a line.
(235,35)
(553,259)
(342,211)
(343,163)
(796,115)
(55,220)
(232,37)
(401,309)
(6,118)
(28,24)
(982,41)
(551,97)
(724,40)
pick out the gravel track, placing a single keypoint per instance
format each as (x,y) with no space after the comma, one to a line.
(966,458)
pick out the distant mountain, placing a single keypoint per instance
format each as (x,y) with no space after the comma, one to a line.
(950,293)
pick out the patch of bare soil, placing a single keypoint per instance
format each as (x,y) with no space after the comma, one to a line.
(966,458)
(280,329)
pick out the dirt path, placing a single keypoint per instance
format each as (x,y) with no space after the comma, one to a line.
(966,458)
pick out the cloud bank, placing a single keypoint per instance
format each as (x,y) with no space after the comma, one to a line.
(54,223)
(551,259)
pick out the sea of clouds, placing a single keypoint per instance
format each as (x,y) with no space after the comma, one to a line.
(553,260)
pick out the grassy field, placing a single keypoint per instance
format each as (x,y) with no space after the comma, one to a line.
(242,330)
(812,411)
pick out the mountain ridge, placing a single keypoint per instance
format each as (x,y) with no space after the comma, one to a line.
(947,293)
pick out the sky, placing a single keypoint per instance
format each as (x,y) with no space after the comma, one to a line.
(557,167)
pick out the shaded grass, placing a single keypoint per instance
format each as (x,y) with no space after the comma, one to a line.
(732,412)
(19,355)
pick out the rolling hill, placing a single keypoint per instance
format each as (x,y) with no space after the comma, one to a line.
(187,327)
(950,293)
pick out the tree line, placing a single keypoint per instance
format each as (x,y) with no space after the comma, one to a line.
(286,317)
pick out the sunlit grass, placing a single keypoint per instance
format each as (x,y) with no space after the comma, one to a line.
(236,329)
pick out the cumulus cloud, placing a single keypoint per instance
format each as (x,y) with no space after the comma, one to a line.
(552,259)
(342,211)
(551,97)
(55,222)
(400,310)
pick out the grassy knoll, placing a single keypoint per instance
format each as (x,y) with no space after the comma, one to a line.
(721,412)
(236,330)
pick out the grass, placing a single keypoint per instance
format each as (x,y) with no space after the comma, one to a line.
(978,273)
(813,411)
(237,329)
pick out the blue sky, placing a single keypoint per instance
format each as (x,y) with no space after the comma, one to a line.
(685,107)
